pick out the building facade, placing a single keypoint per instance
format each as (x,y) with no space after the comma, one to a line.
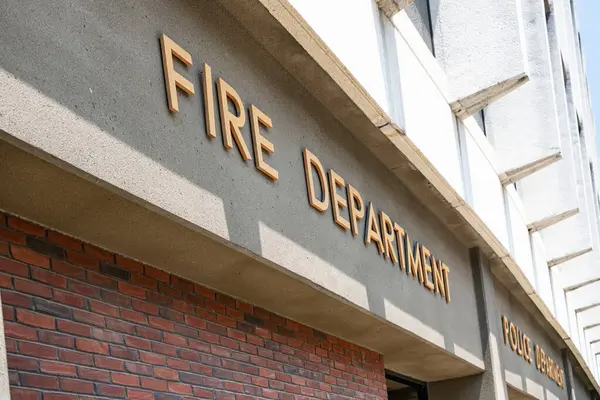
(290,199)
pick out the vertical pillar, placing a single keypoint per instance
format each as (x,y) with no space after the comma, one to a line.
(490,385)
(569,383)
(4,379)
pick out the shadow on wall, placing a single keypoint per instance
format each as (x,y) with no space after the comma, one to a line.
(103,63)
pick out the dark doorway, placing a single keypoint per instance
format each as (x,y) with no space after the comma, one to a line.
(402,388)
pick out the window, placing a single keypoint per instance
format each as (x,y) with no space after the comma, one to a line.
(420,15)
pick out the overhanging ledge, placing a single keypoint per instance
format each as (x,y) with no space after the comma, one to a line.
(289,38)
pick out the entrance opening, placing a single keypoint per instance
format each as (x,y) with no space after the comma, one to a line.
(400,387)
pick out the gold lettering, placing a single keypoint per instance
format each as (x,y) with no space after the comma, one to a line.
(372,229)
(446,272)
(425,261)
(400,245)
(388,236)
(519,342)
(231,124)
(312,162)
(209,101)
(260,142)
(174,79)
(438,277)
(337,201)
(513,336)
(414,260)
(357,208)
(505,329)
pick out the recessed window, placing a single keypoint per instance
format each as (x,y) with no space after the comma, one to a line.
(419,13)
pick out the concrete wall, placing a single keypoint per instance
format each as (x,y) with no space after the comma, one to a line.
(520,374)
(85,85)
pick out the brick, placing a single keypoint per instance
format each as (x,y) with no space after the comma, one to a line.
(170,314)
(165,396)
(149,333)
(203,393)
(175,340)
(97,279)
(45,248)
(192,379)
(104,309)
(37,350)
(110,391)
(4,249)
(115,271)
(132,290)
(215,306)
(162,348)
(49,278)
(154,384)
(138,343)
(26,226)
(186,331)
(60,396)
(215,328)
(57,368)
(8,313)
(91,346)
(154,359)
(158,298)
(144,281)
(157,274)
(134,316)
(98,253)
(178,364)
(34,288)
(11,345)
(22,363)
(129,264)
(160,323)
(125,379)
(56,339)
(66,269)
(183,306)
(89,318)
(69,299)
(179,388)
(65,241)
(144,306)
(125,353)
(84,289)
(30,257)
(74,328)
(5,281)
(166,373)
(13,267)
(120,326)
(135,394)
(76,386)
(109,363)
(234,387)
(24,394)
(92,374)
(116,298)
(83,260)
(195,322)
(38,381)
(107,336)
(138,369)
(12,236)
(17,299)
(55,309)
(75,357)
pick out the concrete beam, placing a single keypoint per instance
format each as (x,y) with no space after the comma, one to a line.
(551,220)
(475,102)
(393,7)
(515,174)
(565,258)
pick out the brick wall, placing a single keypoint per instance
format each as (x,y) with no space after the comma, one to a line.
(81,322)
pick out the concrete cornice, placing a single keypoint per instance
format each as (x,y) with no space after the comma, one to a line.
(551,220)
(393,7)
(523,171)
(284,33)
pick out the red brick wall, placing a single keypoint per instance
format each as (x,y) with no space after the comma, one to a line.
(81,322)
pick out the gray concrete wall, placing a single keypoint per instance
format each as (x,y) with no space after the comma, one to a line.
(520,374)
(580,390)
(84,84)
